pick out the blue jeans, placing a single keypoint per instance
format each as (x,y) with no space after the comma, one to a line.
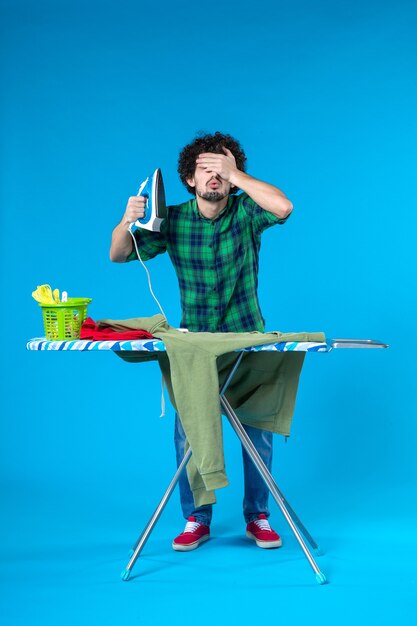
(256,492)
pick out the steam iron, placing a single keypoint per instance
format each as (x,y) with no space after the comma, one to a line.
(155,209)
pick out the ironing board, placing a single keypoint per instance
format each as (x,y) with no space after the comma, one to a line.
(155,345)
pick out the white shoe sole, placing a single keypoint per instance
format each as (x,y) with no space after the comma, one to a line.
(264,544)
(192,546)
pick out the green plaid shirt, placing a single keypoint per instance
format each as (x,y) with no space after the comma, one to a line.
(216,262)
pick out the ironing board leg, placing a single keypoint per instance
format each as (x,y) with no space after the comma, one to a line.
(296,519)
(269,481)
(149,527)
(291,511)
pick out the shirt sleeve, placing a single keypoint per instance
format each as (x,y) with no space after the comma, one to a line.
(149,243)
(261,219)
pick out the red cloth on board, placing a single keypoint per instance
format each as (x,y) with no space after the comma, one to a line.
(90,330)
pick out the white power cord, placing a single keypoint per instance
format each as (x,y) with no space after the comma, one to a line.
(160,308)
(147,272)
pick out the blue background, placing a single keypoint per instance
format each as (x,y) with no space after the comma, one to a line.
(323,97)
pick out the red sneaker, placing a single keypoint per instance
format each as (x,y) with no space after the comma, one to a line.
(193,534)
(260,531)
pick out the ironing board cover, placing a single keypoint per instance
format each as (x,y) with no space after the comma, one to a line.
(156,345)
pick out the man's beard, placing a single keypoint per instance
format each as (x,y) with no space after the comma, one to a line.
(212,196)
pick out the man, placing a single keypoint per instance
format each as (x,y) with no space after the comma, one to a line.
(213,241)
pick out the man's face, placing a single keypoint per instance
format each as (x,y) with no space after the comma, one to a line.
(209,185)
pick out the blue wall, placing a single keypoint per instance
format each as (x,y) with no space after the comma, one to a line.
(323,97)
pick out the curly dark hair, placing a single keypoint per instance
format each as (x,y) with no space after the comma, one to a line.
(208,143)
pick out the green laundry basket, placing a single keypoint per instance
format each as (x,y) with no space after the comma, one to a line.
(63,321)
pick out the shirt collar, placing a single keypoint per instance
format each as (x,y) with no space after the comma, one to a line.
(219,216)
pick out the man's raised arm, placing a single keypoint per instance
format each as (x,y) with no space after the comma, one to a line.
(121,240)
